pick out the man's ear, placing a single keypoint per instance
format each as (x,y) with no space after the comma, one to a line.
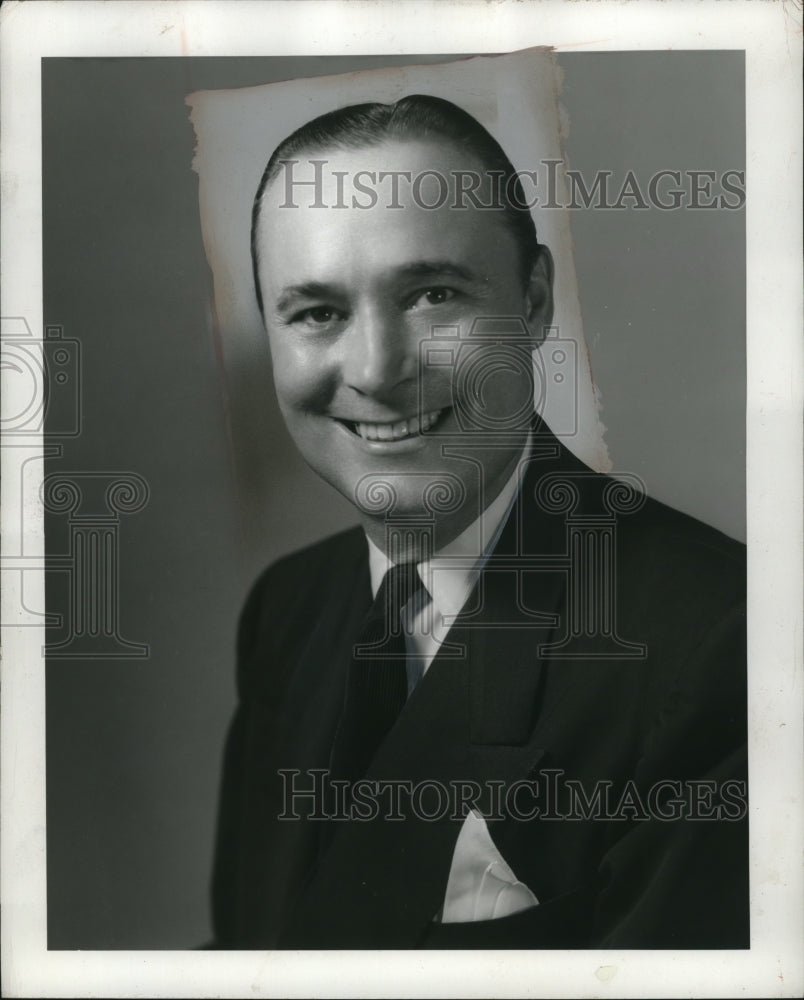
(539,295)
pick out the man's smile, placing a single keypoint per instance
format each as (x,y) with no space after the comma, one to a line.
(396,430)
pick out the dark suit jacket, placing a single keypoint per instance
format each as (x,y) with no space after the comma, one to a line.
(511,708)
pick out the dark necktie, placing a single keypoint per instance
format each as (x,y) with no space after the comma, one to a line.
(377,685)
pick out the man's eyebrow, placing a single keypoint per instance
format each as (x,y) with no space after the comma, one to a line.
(431,268)
(306,290)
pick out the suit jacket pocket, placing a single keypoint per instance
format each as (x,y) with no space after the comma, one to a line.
(563,922)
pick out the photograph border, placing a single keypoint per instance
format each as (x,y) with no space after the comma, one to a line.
(770,35)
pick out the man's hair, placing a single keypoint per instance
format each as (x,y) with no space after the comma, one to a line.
(413,117)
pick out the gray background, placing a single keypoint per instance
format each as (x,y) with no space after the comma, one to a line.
(134,746)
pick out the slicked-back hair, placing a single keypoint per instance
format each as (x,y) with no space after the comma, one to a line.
(419,117)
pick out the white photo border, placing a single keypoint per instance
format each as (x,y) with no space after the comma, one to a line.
(770,35)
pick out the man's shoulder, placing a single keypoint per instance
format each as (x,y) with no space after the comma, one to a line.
(311,568)
(679,572)
(332,551)
(669,567)
(644,526)
(671,532)
(289,594)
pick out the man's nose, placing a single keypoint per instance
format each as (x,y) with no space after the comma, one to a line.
(380,354)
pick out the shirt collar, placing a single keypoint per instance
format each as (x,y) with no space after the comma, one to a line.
(452,572)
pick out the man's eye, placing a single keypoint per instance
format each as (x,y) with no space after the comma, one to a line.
(432,297)
(317,316)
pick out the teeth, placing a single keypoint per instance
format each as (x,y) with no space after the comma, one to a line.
(401,429)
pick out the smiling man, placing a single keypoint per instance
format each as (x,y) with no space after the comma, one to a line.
(508,710)
(352,294)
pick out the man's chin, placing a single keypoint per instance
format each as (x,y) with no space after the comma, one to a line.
(412,532)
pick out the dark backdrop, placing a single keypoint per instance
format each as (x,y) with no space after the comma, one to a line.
(134,744)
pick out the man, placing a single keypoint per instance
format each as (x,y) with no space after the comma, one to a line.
(509,710)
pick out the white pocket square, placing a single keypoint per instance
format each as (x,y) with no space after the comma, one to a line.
(481,885)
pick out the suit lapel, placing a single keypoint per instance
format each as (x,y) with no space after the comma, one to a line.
(520,604)
(315,693)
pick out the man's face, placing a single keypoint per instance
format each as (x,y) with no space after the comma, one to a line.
(352,297)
